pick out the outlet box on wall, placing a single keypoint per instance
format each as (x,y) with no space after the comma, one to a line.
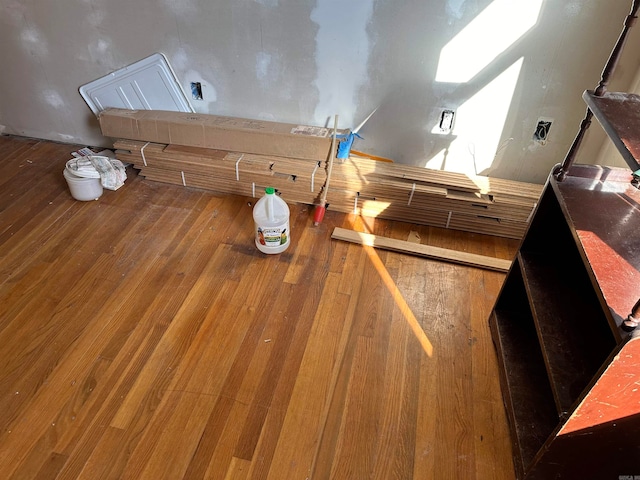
(541,132)
(445,123)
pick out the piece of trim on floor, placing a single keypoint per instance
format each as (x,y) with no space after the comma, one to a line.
(426,251)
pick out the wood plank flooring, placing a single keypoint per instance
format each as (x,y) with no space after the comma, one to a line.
(143,336)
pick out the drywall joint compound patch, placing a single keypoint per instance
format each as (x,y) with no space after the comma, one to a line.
(342,56)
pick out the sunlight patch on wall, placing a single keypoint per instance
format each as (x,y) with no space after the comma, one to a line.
(494,30)
(479,124)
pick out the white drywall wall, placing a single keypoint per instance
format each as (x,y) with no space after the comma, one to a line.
(304,61)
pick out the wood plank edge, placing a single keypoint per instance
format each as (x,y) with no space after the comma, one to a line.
(426,251)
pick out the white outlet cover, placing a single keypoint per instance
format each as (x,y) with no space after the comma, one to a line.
(149,84)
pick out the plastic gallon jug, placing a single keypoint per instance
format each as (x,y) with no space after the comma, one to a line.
(271,219)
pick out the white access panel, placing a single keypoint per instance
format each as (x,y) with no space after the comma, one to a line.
(149,84)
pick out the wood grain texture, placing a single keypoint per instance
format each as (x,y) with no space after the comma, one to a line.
(363,186)
(145,337)
(427,251)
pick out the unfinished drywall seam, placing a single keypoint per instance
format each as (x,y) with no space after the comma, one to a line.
(342,56)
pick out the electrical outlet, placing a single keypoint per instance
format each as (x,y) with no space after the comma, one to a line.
(196,90)
(541,133)
(446,121)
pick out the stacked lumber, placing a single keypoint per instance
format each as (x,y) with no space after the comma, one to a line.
(358,185)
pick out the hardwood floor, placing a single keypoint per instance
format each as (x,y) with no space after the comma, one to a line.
(143,336)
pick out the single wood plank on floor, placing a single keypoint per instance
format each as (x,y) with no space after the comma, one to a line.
(145,337)
(427,251)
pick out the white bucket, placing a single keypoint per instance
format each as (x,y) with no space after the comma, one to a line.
(81,188)
(271,219)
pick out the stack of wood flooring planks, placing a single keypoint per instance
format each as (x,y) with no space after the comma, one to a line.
(358,185)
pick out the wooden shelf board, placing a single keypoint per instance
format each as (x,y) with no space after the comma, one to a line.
(604,214)
(528,400)
(619,115)
(574,334)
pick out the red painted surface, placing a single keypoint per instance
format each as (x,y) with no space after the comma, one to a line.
(618,279)
(605,214)
(616,394)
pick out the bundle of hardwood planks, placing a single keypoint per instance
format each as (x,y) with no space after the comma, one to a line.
(358,185)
